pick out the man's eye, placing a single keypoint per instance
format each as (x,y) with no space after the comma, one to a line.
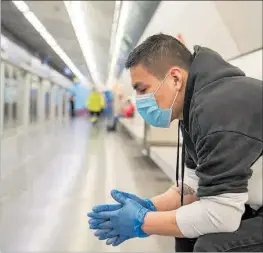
(142,91)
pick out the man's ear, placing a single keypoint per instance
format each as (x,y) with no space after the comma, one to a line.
(177,75)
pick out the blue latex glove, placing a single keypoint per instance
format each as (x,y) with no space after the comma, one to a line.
(110,207)
(104,234)
(117,240)
(126,221)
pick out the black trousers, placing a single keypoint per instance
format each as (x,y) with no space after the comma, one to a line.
(72,108)
(95,113)
(248,238)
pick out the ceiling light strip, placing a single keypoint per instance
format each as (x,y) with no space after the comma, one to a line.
(76,12)
(115,25)
(123,19)
(35,22)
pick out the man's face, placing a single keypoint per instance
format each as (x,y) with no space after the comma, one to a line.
(144,82)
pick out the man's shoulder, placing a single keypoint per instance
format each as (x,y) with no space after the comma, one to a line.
(231,104)
(229,91)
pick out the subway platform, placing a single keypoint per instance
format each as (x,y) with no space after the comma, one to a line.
(52,176)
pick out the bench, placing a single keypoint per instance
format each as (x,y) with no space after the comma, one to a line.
(134,126)
(163,156)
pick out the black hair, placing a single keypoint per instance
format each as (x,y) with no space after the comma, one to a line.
(159,52)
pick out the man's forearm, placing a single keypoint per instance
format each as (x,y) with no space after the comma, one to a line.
(161,223)
(171,200)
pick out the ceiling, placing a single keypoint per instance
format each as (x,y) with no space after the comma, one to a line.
(98,20)
(99,14)
(16,27)
(142,12)
(98,17)
(55,18)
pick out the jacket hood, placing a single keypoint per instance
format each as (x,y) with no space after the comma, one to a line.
(207,66)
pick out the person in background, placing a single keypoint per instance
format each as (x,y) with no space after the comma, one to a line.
(126,112)
(95,104)
(118,102)
(217,205)
(72,105)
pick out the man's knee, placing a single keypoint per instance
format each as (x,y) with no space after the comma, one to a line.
(206,243)
(248,237)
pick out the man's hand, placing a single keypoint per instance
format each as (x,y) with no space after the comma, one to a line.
(125,222)
(117,240)
(110,207)
(170,200)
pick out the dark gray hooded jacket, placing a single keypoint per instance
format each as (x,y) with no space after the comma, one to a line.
(222,124)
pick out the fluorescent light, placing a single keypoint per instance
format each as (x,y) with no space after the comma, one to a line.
(35,22)
(48,37)
(30,16)
(125,8)
(21,5)
(76,12)
(115,25)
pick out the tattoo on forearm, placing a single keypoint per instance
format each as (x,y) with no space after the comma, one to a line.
(187,190)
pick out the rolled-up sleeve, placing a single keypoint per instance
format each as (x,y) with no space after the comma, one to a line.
(214,214)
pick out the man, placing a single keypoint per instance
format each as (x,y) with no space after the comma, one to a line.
(72,105)
(220,113)
(95,104)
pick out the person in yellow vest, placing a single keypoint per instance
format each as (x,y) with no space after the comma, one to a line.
(95,104)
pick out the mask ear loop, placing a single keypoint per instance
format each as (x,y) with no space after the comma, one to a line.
(161,84)
(173,105)
(174,99)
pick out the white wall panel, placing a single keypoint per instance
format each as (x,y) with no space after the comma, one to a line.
(125,83)
(166,19)
(199,23)
(251,64)
(217,36)
(244,21)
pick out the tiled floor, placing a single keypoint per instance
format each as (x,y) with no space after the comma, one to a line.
(51,178)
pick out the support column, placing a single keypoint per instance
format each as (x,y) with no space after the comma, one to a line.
(60,105)
(41,104)
(21,79)
(26,102)
(2,103)
(52,120)
(66,100)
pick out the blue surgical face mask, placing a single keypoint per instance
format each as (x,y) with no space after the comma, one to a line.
(148,108)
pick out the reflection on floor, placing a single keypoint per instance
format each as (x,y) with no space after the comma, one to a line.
(51,178)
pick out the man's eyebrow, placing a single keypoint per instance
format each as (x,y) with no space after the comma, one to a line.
(135,85)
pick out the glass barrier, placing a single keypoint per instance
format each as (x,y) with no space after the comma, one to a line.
(27,99)
(64,101)
(33,105)
(47,104)
(10,102)
(56,103)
